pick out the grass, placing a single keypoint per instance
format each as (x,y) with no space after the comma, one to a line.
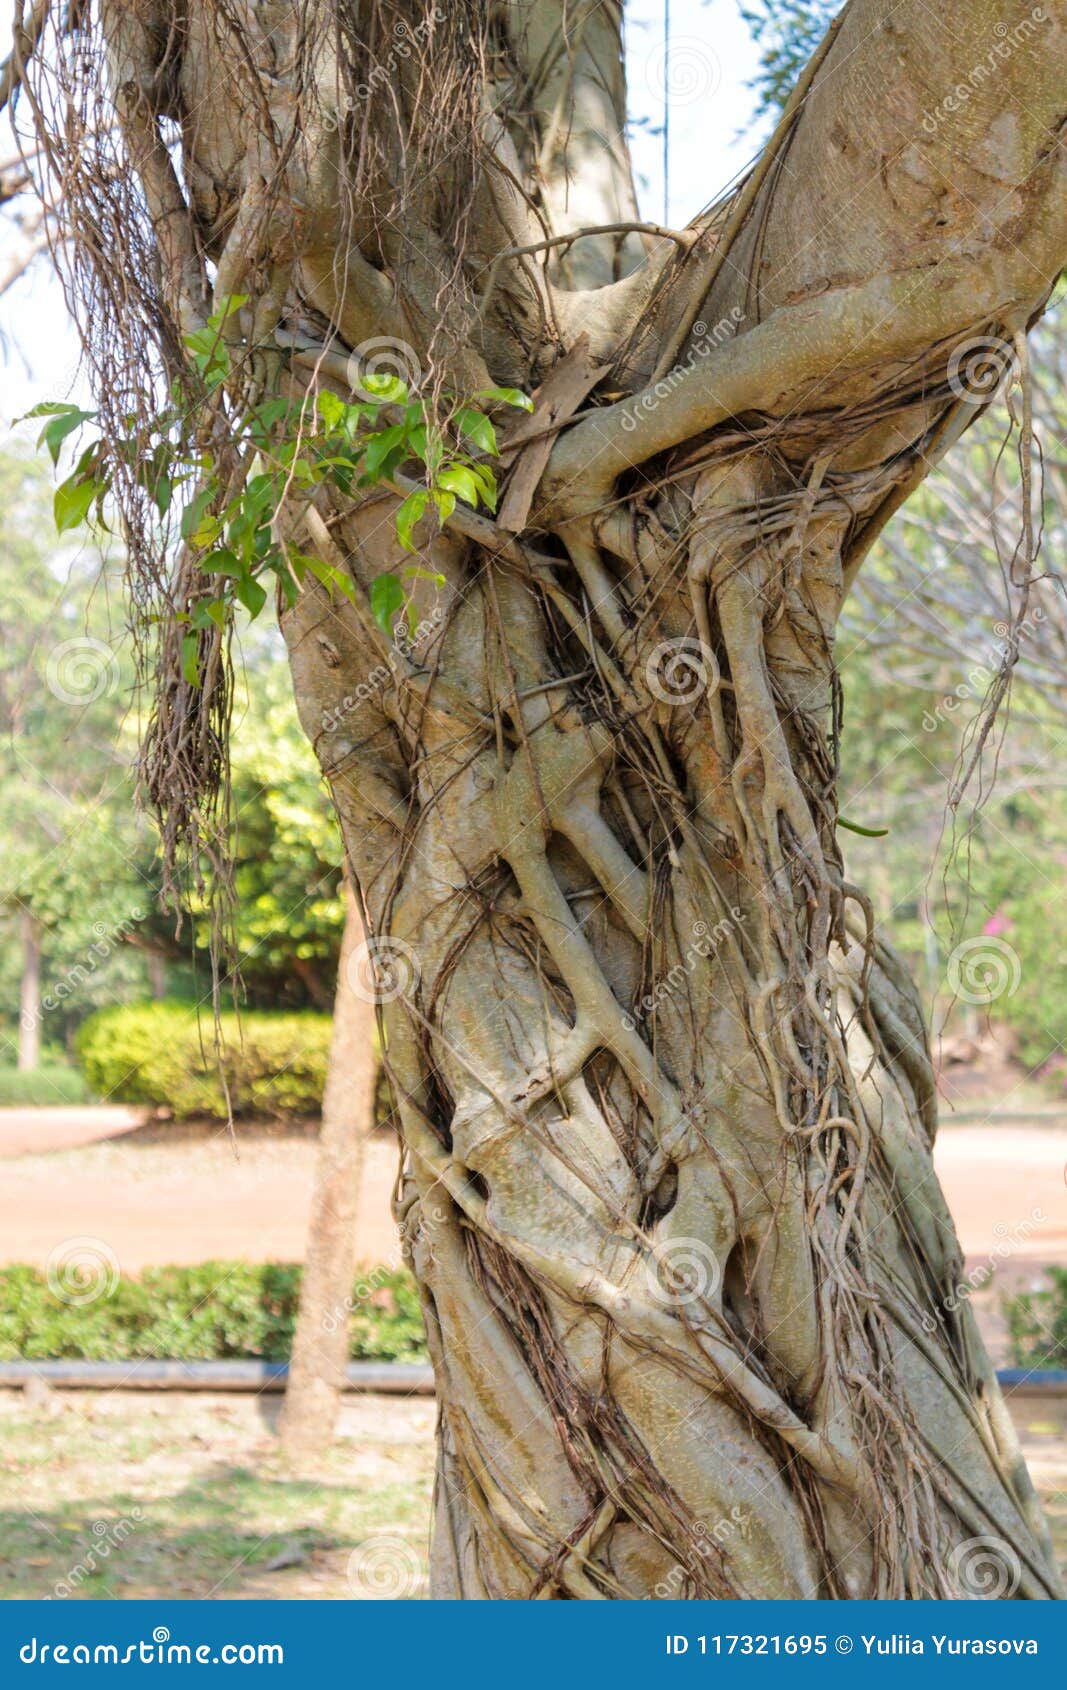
(124,1495)
(51,1084)
(138,1495)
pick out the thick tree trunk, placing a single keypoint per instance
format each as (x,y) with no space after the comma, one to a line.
(320,1342)
(666,1097)
(669,1114)
(29,1051)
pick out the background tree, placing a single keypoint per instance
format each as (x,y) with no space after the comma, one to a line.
(321,1337)
(288,909)
(666,1095)
(76,863)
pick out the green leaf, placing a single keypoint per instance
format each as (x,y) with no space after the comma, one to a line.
(408,515)
(386,389)
(484,475)
(205,345)
(329,575)
(386,602)
(231,303)
(380,447)
(507,396)
(251,594)
(330,408)
(461,480)
(477,429)
(72,501)
(210,611)
(413,573)
(194,514)
(445,504)
(210,354)
(222,561)
(162,493)
(62,423)
(51,408)
(867,832)
(191,659)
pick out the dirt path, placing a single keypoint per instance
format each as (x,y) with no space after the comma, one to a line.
(191,1201)
(153,1198)
(1006,1189)
(25,1132)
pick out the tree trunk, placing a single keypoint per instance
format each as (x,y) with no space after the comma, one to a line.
(29,1052)
(691,1288)
(157,974)
(320,1342)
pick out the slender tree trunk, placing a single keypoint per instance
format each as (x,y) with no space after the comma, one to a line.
(691,1288)
(157,974)
(320,1342)
(29,1054)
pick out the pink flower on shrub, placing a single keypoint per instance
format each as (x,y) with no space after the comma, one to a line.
(998,923)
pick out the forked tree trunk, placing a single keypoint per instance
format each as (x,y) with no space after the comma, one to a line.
(690,1284)
(320,1341)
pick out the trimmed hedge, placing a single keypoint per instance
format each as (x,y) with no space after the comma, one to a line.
(163,1054)
(216,1311)
(1037,1323)
(51,1084)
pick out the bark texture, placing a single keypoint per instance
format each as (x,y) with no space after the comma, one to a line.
(666,1096)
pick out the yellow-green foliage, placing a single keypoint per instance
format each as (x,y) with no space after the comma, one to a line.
(164,1054)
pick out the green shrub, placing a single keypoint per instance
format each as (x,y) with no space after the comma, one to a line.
(162,1054)
(213,1312)
(52,1083)
(1037,1323)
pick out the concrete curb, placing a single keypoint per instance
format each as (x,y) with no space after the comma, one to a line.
(390,1378)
